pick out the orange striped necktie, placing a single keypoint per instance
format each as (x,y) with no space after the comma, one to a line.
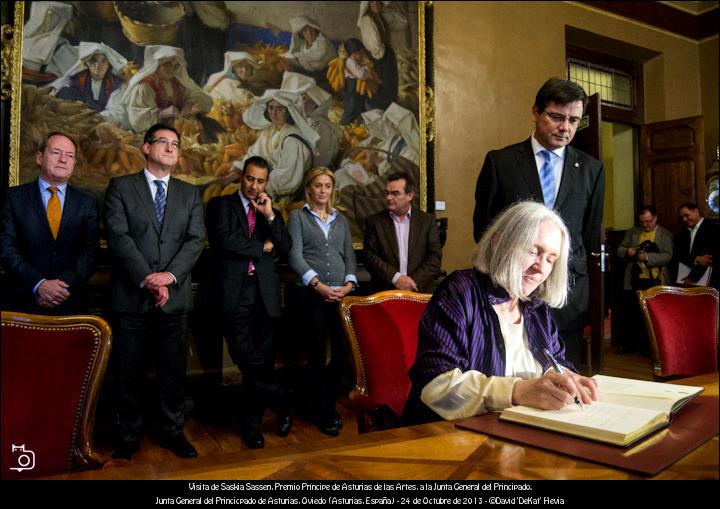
(54,211)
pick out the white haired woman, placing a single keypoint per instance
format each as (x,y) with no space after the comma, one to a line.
(482,338)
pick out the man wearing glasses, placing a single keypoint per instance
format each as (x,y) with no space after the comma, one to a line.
(155,232)
(545,169)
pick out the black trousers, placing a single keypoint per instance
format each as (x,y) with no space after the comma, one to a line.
(322,322)
(136,336)
(248,330)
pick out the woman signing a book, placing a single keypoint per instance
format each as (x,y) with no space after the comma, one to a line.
(482,338)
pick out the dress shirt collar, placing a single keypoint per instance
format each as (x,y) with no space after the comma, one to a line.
(152,178)
(331,215)
(406,217)
(44,186)
(244,200)
(695,228)
(537,148)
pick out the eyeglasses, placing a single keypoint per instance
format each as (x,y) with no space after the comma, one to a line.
(557,118)
(163,142)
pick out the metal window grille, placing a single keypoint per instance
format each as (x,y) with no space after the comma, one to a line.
(615,87)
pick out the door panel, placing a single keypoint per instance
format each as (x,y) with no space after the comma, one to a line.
(673,167)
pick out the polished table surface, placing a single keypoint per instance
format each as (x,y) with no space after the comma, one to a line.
(429,451)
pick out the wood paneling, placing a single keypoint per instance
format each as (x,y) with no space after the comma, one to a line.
(672,167)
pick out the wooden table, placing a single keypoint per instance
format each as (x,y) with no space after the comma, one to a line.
(430,451)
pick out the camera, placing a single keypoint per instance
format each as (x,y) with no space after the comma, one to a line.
(25,458)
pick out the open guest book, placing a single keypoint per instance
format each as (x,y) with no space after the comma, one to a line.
(627,411)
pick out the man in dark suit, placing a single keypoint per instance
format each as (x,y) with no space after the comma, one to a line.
(245,234)
(155,232)
(697,246)
(49,236)
(401,247)
(545,168)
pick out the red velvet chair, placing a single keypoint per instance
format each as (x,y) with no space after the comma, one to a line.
(52,371)
(382,332)
(682,325)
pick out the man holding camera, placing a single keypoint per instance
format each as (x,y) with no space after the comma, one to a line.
(647,250)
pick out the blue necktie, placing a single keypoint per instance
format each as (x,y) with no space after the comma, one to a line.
(160,200)
(547,178)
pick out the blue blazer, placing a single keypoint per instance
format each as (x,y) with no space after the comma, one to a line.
(29,252)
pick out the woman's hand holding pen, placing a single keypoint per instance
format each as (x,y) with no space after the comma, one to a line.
(554,391)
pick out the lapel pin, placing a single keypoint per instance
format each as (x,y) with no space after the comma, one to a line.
(577,165)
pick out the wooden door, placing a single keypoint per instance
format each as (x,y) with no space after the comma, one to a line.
(672,168)
(588,138)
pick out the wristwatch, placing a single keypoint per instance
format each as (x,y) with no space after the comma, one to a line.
(317,282)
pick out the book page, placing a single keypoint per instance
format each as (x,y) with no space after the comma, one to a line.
(600,421)
(644,394)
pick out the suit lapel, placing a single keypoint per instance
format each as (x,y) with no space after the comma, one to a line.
(173,202)
(571,167)
(145,197)
(239,209)
(390,237)
(414,233)
(38,207)
(69,208)
(528,169)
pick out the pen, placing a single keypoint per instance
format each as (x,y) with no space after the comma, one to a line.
(558,369)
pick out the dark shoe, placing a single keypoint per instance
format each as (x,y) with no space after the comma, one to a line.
(253,438)
(329,427)
(283,425)
(125,449)
(180,446)
(336,420)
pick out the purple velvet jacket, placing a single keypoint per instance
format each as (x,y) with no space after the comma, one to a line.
(460,329)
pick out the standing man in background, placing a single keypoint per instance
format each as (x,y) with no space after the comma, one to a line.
(49,236)
(647,250)
(696,247)
(245,234)
(546,169)
(155,233)
(402,244)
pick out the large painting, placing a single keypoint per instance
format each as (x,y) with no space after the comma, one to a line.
(337,84)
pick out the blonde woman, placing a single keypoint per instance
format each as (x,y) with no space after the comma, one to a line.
(323,258)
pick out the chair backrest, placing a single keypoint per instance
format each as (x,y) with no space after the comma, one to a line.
(52,371)
(382,330)
(682,326)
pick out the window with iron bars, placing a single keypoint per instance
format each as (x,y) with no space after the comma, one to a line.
(614,86)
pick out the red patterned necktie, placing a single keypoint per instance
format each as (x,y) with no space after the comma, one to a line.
(251,227)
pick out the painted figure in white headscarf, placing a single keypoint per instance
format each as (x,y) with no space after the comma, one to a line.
(310,50)
(316,103)
(45,51)
(233,84)
(286,140)
(162,90)
(93,78)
